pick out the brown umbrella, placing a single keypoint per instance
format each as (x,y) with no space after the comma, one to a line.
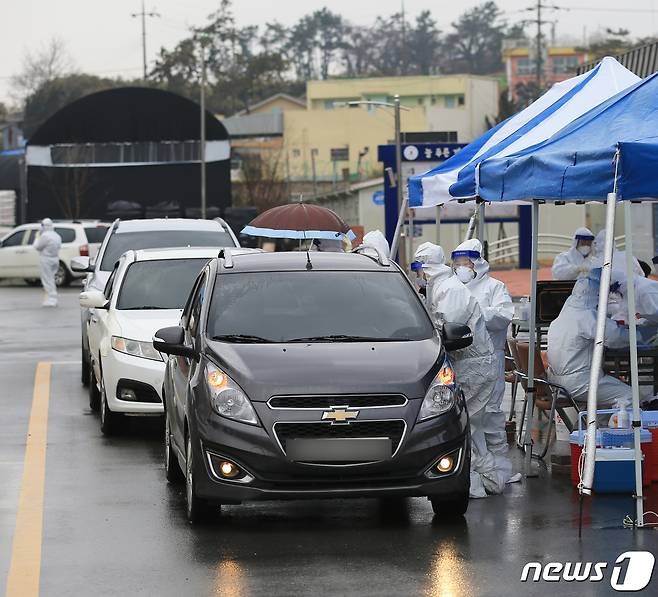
(299,220)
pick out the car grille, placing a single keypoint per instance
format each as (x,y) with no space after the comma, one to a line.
(393,429)
(323,402)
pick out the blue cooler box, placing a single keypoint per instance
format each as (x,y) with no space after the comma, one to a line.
(615,470)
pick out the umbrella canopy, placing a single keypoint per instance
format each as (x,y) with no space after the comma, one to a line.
(579,162)
(299,220)
(456,178)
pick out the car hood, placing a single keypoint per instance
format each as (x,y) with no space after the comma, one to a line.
(265,370)
(142,324)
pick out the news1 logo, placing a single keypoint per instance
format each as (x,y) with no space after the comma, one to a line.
(631,572)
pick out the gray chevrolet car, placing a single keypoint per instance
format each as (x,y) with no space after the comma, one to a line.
(312,375)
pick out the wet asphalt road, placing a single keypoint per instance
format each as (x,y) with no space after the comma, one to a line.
(112,526)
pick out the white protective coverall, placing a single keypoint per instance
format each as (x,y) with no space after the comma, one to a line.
(375,238)
(48,245)
(571,346)
(572,263)
(498,311)
(618,257)
(448,300)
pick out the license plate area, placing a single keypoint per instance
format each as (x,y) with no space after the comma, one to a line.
(361,449)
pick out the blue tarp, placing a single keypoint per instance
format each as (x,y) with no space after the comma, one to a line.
(578,162)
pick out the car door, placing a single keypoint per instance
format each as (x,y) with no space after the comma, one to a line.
(181,367)
(30,256)
(97,326)
(11,252)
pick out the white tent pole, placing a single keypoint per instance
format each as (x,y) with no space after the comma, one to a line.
(438,224)
(480,233)
(527,439)
(637,424)
(597,356)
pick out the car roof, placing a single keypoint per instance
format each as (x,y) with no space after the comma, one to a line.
(167,224)
(298,261)
(184,253)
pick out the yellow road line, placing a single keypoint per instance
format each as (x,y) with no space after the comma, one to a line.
(25,569)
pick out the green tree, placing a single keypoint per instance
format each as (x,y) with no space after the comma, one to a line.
(474,45)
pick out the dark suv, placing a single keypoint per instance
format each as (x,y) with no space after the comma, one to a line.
(299,375)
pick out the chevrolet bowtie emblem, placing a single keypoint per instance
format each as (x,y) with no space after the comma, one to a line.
(339,414)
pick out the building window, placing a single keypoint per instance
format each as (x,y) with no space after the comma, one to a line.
(563,65)
(433,100)
(461,100)
(420,101)
(328,104)
(449,101)
(525,66)
(296,153)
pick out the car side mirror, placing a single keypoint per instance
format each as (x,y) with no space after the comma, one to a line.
(456,336)
(171,340)
(81,265)
(93,299)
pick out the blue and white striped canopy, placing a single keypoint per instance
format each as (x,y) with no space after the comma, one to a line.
(457,178)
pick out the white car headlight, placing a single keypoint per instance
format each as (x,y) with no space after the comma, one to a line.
(135,348)
(226,397)
(440,397)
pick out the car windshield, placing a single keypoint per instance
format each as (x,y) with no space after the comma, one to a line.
(159,284)
(316,306)
(95,234)
(121,242)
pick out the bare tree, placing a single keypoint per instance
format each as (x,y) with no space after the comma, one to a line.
(51,61)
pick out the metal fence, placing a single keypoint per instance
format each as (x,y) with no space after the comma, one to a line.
(643,60)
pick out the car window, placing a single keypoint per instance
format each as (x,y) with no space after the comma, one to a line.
(14,240)
(67,234)
(158,284)
(31,237)
(197,306)
(284,306)
(119,243)
(95,234)
(110,283)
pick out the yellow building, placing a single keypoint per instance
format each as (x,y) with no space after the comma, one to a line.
(453,108)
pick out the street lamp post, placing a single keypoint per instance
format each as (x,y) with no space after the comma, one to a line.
(202,140)
(398,242)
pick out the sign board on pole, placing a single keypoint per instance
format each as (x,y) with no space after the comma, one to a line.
(340,154)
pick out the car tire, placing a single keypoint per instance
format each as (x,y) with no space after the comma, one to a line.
(62,276)
(450,509)
(197,509)
(94,393)
(173,472)
(84,368)
(110,421)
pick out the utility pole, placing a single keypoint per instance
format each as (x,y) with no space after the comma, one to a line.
(539,56)
(404,40)
(314,152)
(202,139)
(538,42)
(143,14)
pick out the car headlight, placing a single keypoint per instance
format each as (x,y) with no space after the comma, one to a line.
(135,348)
(226,397)
(440,397)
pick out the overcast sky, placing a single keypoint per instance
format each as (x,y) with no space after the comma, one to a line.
(103,39)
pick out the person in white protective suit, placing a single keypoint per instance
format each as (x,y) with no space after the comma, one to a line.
(48,245)
(618,257)
(375,238)
(498,310)
(578,259)
(571,346)
(448,300)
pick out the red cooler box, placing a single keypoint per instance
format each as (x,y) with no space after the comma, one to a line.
(650,423)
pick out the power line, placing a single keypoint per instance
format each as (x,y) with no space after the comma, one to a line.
(143,14)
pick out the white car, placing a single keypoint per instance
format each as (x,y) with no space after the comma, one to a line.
(19,258)
(146,291)
(125,235)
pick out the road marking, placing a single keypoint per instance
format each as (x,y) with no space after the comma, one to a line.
(25,568)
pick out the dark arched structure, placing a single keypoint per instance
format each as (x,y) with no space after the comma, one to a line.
(130,146)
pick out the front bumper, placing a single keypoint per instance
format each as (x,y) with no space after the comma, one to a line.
(274,476)
(119,366)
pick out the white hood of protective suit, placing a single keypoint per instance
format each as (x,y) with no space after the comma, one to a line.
(491,294)
(376,239)
(571,336)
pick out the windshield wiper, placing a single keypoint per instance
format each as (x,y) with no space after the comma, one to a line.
(143,307)
(346,338)
(241,338)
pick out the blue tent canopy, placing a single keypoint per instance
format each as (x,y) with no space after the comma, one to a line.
(579,162)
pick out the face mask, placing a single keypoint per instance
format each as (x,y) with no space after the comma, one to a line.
(584,250)
(465,274)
